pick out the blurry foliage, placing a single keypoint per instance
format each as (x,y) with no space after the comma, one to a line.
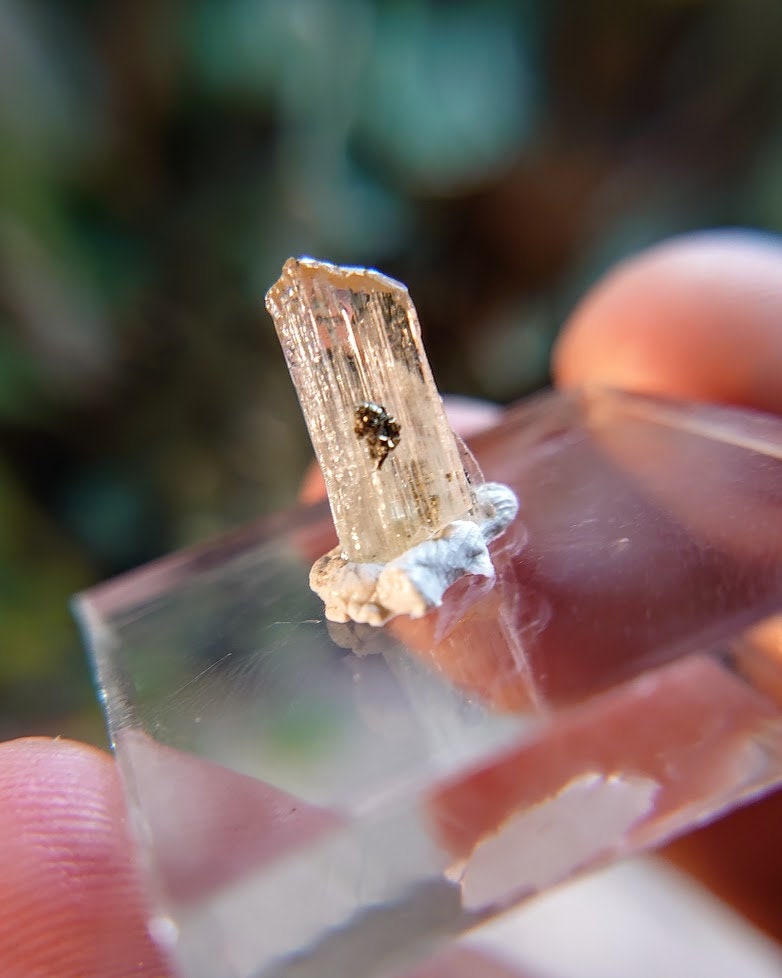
(159,159)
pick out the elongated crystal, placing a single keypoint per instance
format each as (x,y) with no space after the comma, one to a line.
(392,467)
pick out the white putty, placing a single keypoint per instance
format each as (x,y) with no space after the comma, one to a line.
(414,583)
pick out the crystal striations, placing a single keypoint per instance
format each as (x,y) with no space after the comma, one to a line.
(392,466)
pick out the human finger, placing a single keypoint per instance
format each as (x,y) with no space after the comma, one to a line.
(72,899)
(699,316)
(74,904)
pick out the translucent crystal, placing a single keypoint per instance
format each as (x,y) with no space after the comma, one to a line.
(392,467)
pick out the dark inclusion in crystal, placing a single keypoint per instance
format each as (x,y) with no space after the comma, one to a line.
(380,429)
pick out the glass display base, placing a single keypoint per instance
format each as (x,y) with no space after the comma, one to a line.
(316,800)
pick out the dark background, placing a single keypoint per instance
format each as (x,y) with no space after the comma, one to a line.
(159,159)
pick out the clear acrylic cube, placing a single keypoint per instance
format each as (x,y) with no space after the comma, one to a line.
(318,800)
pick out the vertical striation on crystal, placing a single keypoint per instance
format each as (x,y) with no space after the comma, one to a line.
(392,466)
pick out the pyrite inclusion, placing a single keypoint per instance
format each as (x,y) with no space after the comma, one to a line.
(393,468)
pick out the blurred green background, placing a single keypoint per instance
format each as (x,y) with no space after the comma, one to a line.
(159,159)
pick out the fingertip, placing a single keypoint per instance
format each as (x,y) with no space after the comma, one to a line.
(71,895)
(29,763)
(699,316)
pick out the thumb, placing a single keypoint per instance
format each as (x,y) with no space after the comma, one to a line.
(71,897)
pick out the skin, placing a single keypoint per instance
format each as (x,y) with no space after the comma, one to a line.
(697,317)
